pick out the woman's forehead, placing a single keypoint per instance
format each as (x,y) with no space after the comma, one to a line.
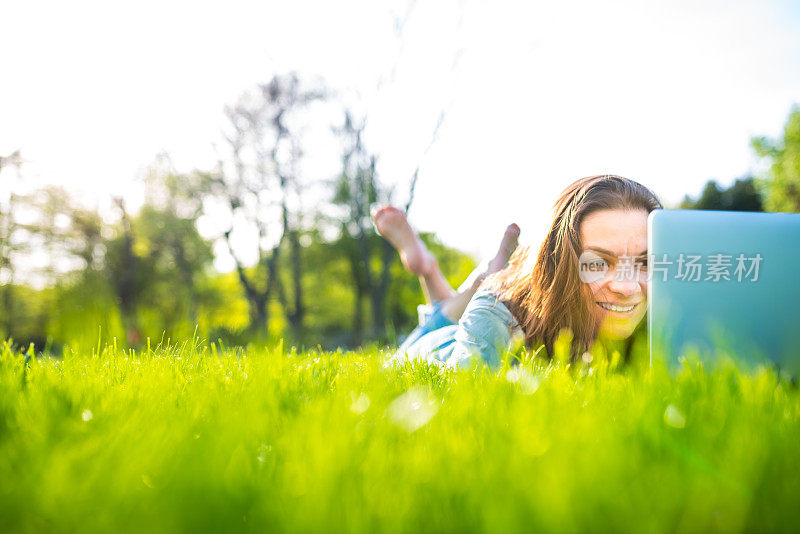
(616,231)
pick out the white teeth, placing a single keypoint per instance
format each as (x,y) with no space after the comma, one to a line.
(615,308)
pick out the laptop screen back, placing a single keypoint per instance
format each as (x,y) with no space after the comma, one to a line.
(724,281)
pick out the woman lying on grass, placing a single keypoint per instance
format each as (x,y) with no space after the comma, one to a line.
(590,276)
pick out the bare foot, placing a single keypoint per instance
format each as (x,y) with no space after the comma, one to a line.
(393,225)
(507,247)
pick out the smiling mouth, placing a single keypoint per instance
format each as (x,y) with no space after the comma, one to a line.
(615,308)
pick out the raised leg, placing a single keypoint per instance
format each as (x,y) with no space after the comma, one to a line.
(393,225)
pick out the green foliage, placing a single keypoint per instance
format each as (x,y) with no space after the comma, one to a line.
(170,306)
(177,259)
(196,437)
(330,293)
(82,310)
(455,265)
(781,182)
(30,313)
(332,296)
(741,196)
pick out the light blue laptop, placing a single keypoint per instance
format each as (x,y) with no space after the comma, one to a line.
(725,282)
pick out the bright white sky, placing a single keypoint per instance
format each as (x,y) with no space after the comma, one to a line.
(537,94)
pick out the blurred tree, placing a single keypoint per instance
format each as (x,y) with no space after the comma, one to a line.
(12,243)
(263,192)
(741,196)
(356,190)
(12,160)
(45,236)
(781,182)
(710,198)
(69,235)
(156,261)
(744,196)
(169,235)
(75,240)
(125,270)
(152,263)
(60,239)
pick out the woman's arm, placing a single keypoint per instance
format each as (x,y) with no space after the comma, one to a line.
(484,332)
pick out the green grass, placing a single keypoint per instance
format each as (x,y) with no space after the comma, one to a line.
(196,438)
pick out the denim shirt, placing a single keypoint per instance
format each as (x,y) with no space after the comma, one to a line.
(482,335)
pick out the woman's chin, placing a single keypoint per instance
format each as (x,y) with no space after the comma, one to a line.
(615,333)
(619,326)
(617,329)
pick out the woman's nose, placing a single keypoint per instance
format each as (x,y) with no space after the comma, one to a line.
(624,285)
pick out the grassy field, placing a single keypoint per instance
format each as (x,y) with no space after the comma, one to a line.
(196,437)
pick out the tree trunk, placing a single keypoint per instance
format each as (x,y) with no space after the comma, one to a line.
(126,290)
(185,269)
(298,314)
(356,273)
(8,308)
(380,290)
(259,315)
(256,300)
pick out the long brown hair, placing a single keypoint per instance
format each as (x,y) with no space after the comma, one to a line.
(547,295)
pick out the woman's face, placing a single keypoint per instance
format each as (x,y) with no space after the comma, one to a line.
(614,266)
